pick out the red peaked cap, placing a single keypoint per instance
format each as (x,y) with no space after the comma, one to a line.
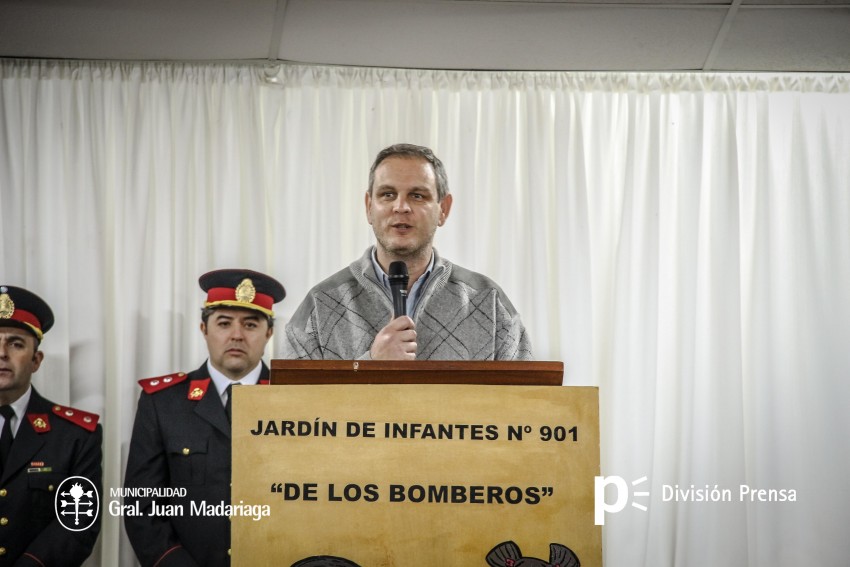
(244,289)
(25,310)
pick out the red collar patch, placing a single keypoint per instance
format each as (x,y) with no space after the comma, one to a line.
(198,389)
(39,421)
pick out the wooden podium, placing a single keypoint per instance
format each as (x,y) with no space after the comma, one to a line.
(489,372)
(385,464)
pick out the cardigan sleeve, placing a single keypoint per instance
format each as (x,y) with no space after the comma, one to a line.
(512,341)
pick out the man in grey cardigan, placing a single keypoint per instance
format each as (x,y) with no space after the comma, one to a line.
(452,313)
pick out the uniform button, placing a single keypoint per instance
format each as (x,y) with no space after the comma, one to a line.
(2,551)
(50,488)
(185,450)
(4,521)
(2,492)
(228,552)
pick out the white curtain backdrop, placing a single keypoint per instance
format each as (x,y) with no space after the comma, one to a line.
(681,241)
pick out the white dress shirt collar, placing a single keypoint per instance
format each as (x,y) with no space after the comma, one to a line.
(20,408)
(222,382)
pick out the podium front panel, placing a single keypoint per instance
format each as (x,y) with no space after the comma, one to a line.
(399,475)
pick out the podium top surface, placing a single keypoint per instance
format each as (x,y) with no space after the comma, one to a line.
(507,373)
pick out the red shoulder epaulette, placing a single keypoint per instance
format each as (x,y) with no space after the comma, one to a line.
(84,419)
(151,385)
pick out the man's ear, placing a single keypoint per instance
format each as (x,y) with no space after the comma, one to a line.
(445,208)
(368,202)
(203,328)
(36,360)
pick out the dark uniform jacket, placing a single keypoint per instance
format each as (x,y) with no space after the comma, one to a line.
(52,443)
(180,440)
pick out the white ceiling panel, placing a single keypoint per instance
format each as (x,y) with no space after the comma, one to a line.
(789,39)
(499,35)
(133,29)
(595,35)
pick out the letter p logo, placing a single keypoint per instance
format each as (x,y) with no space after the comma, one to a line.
(600,506)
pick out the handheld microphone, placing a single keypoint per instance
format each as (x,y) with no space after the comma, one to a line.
(398,286)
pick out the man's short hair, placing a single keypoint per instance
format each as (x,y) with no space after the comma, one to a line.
(207,311)
(414,151)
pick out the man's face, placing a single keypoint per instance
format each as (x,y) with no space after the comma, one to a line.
(402,208)
(236,339)
(19,359)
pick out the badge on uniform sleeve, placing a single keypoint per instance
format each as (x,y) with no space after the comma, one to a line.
(39,422)
(198,388)
(84,419)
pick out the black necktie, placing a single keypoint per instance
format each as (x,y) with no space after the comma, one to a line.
(6,436)
(228,405)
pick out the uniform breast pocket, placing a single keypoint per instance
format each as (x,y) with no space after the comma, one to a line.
(187,461)
(42,491)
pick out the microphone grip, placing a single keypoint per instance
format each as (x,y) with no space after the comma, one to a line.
(399,302)
(399,278)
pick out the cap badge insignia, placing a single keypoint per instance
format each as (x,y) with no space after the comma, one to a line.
(7,306)
(245,291)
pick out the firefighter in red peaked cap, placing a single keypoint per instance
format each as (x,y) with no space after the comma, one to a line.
(41,445)
(181,446)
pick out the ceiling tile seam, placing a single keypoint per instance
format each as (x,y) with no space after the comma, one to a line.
(721,35)
(277,30)
(806,7)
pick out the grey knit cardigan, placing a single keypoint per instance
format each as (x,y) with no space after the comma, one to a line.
(461,315)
